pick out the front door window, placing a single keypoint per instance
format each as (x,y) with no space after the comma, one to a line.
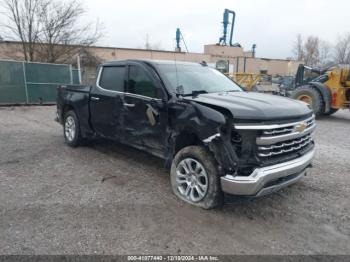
(140,83)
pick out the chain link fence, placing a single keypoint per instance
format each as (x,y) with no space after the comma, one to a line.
(33,83)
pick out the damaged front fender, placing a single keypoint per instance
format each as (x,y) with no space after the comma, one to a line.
(211,127)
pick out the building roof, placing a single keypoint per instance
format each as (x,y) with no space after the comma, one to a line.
(109,47)
(152,50)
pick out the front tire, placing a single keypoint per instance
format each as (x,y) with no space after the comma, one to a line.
(311,96)
(71,129)
(195,179)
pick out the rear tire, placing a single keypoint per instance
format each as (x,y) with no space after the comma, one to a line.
(71,129)
(311,96)
(195,179)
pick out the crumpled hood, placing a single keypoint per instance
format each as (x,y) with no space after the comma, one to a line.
(255,106)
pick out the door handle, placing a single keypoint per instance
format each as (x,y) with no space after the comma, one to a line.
(95,98)
(129,105)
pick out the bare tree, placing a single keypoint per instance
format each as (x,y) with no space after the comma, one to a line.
(22,23)
(154,46)
(50,30)
(151,46)
(62,35)
(298,48)
(325,53)
(311,50)
(342,50)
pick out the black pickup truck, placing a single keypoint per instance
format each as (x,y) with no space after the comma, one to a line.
(214,137)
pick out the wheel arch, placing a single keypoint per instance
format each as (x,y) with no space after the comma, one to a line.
(85,128)
(185,139)
(67,107)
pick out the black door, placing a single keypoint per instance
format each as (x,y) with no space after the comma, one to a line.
(145,118)
(106,101)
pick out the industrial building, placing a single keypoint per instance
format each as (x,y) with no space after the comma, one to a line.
(229,55)
(239,60)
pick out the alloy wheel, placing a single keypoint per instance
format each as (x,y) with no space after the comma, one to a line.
(70,128)
(191,179)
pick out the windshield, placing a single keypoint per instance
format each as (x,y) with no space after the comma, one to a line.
(188,79)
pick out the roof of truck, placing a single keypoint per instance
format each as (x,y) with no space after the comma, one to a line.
(154,62)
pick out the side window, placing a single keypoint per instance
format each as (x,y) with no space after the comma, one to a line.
(140,83)
(112,78)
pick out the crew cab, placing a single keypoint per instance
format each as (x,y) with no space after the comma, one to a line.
(214,137)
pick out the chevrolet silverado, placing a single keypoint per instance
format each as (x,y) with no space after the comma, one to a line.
(214,137)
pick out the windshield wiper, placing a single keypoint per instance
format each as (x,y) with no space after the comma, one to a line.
(196,93)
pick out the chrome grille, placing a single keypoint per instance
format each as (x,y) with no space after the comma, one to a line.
(287,129)
(277,139)
(278,131)
(285,147)
(286,132)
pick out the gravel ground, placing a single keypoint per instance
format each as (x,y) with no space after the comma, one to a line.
(110,199)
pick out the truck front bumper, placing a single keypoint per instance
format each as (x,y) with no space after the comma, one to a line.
(268,179)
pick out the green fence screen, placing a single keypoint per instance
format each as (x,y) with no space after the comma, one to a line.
(32,83)
(12,83)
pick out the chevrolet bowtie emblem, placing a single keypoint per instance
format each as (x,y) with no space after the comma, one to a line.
(300,127)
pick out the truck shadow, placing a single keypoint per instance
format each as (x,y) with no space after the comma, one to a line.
(154,167)
(127,153)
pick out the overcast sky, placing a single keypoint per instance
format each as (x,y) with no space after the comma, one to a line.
(271,24)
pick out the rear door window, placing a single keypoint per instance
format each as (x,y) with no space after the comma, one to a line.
(113,78)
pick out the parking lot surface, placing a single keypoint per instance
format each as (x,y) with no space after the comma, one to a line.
(107,198)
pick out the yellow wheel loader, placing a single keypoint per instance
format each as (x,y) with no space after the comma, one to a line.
(326,91)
